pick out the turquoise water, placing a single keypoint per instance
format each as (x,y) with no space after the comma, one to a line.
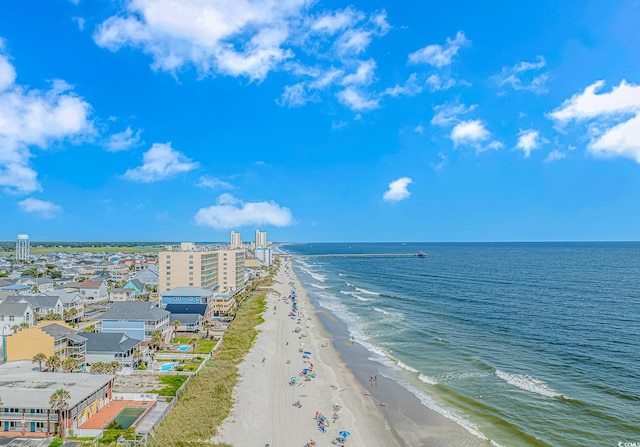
(167,366)
(128,416)
(522,344)
(183,348)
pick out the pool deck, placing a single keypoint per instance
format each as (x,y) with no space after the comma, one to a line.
(99,420)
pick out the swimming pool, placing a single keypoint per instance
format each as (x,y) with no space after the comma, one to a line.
(184,348)
(127,416)
(167,366)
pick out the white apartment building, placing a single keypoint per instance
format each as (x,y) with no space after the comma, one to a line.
(231,274)
(265,255)
(261,239)
(188,269)
(236,242)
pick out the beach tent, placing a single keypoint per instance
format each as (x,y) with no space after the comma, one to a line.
(344,434)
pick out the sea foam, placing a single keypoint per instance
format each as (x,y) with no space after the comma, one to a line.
(528,383)
(406,367)
(427,379)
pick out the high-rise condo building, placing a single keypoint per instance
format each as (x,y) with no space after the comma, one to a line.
(220,271)
(261,239)
(231,274)
(236,242)
(188,269)
(23,249)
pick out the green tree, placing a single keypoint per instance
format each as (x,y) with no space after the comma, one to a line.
(59,402)
(39,358)
(156,339)
(98,368)
(69,364)
(114,367)
(175,324)
(53,363)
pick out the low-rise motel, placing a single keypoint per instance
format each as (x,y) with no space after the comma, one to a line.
(26,392)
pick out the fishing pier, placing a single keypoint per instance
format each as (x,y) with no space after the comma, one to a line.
(363,255)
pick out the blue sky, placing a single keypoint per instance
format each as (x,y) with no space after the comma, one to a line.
(320,120)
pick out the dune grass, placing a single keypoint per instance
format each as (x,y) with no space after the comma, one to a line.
(208,399)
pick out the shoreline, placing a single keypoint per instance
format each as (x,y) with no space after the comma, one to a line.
(412,422)
(267,409)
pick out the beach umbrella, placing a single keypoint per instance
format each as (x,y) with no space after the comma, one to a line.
(344,434)
(294,378)
(307,352)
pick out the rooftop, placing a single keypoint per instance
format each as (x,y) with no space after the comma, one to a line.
(23,386)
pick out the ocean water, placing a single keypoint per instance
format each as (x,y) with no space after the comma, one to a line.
(522,344)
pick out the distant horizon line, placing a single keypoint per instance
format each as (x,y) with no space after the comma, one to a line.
(123,243)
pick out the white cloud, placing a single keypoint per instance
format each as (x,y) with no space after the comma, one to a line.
(294,95)
(469,132)
(554,155)
(333,22)
(447,114)
(159,163)
(79,21)
(410,88)
(397,190)
(31,118)
(529,140)
(444,161)
(437,83)
(46,210)
(473,133)
(439,55)
(623,99)
(614,118)
(363,74)
(356,100)
(335,125)
(207,182)
(517,77)
(124,140)
(231,212)
(419,129)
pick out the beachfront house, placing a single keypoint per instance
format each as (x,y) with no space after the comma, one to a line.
(137,319)
(186,295)
(137,287)
(190,316)
(115,347)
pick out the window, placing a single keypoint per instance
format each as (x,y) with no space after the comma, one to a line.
(12,318)
(190,267)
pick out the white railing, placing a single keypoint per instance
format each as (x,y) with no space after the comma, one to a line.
(135,396)
(87,433)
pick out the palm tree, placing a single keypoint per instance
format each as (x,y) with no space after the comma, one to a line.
(114,367)
(98,368)
(39,358)
(156,339)
(15,328)
(175,324)
(24,325)
(69,364)
(207,326)
(53,363)
(59,401)
(137,356)
(193,343)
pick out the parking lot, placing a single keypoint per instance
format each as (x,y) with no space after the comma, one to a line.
(6,441)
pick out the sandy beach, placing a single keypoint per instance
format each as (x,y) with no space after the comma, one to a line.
(269,410)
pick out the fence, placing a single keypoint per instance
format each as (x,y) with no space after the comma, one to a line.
(135,396)
(87,433)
